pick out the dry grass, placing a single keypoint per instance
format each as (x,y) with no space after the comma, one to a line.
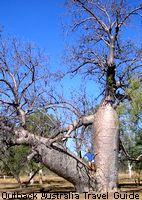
(36,179)
(135,180)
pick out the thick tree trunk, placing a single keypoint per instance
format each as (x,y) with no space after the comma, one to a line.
(70,167)
(59,161)
(106,147)
(67,167)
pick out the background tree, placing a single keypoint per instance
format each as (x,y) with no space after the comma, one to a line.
(14,161)
(130,125)
(40,123)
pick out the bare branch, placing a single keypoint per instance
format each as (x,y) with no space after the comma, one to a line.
(103,9)
(129,14)
(128,155)
(81,22)
(84,120)
(102,24)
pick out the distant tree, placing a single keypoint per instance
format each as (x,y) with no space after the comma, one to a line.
(14,160)
(40,123)
(130,112)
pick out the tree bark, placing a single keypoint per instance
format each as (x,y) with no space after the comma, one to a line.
(106,147)
(58,160)
(70,167)
(66,167)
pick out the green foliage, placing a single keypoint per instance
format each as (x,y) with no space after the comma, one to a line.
(131,109)
(130,115)
(134,92)
(121,109)
(15,159)
(40,123)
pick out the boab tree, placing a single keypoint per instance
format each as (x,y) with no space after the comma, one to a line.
(104,52)
(22,92)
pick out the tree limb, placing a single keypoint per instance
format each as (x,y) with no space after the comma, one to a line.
(102,24)
(128,15)
(128,155)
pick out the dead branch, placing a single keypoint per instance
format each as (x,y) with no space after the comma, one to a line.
(102,24)
(129,14)
(129,157)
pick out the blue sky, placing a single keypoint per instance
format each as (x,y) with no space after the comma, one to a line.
(35,20)
(39,21)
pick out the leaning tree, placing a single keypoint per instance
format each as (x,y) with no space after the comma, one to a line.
(25,88)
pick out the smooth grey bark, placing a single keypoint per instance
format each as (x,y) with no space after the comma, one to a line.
(66,167)
(106,138)
(58,160)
